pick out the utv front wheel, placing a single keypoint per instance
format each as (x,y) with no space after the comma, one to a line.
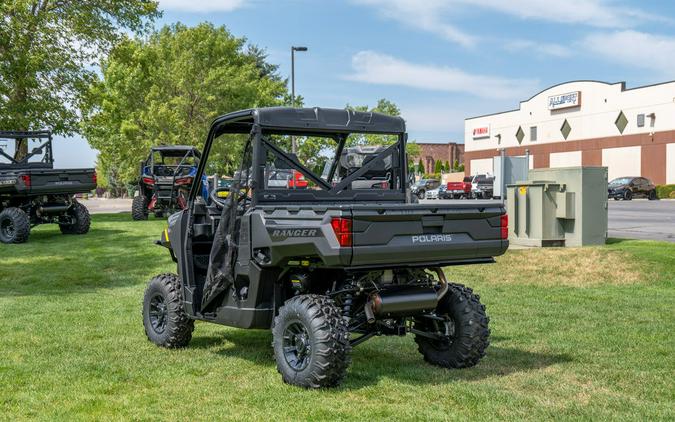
(14,225)
(166,323)
(462,335)
(81,221)
(311,342)
(139,208)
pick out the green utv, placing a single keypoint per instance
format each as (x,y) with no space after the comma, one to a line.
(329,265)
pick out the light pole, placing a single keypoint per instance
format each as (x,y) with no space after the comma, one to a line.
(293,50)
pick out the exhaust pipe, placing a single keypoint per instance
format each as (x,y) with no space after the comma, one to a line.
(405,301)
(53,209)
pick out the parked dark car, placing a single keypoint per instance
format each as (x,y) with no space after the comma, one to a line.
(422,186)
(482,187)
(627,188)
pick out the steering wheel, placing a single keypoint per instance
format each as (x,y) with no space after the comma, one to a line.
(220,196)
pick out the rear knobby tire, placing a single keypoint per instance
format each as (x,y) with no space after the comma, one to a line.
(81,220)
(165,321)
(652,195)
(139,208)
(467,345)
(312,325)
(14,225)
(628,195)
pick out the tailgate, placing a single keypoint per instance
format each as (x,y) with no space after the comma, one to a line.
(10,183)
(65,181)
(415,234)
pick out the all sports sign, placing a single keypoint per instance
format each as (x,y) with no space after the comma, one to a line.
(567,100)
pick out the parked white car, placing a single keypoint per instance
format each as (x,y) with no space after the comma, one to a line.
(432,194)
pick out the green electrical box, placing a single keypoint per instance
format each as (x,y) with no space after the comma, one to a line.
(559,207)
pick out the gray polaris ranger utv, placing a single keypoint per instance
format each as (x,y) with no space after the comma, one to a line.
(328,266)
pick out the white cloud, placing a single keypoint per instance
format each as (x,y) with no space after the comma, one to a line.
(434,119)
(437,16)
(542,49)
(201,6)
(425,15)
(633,48)
(376,68)
(597,13)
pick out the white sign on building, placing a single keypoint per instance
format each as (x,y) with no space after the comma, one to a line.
(567,100)
(481,132)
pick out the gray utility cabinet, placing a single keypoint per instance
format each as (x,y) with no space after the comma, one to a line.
(559,207)
(515,169)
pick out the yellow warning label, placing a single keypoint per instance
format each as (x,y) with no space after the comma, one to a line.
(522,190)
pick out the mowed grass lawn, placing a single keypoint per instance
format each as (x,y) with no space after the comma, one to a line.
(576,334)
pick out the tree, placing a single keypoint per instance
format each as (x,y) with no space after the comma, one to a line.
(383,106)
(447,167)
(420,167)
(438,167)
(46,47)
(168,88)
(455,165)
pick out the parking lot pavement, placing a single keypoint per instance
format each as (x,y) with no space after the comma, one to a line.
(642,219)
(103,205)
(637,219)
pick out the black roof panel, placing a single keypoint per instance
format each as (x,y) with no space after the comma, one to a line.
(309,120)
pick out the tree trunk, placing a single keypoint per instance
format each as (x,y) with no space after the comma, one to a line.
(20,149)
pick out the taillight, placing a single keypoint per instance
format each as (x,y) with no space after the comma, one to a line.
(94,178)
(342,227)
(148,180)
(381,185)
(504,226)
(184,181)
(26,180)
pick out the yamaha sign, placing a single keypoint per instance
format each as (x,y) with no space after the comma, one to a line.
(481,132)
(567,100)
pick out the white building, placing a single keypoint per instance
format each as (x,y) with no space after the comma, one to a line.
(630,131)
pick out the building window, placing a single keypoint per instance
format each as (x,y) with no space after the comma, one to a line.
(621,122)
(520,134)
(533,133)
(565,129)
(641,120)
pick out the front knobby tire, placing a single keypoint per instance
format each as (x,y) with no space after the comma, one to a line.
(311,342)
(139,208)
(14,225)
(466,328)
(81,220)
(165,321)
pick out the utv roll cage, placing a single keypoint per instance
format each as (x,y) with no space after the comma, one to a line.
(321,122)
(46,147)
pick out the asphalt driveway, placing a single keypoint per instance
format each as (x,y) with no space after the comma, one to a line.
(642,219)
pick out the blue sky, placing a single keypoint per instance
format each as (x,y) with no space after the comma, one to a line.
(440,60)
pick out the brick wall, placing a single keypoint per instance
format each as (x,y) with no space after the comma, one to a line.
(430,153)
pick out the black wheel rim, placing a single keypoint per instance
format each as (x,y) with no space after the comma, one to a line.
(7,228)
(158,313)
(297,346)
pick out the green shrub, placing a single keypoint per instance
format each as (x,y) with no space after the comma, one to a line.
(432,176)
(665,191)
(672,195)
